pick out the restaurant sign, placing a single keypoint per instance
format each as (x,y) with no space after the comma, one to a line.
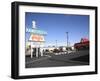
(36,38)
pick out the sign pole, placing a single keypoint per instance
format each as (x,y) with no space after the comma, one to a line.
(31,51)
(36,51)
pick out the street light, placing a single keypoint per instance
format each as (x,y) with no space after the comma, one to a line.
(67,41)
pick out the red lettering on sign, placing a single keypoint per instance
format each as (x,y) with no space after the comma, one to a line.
(37,38)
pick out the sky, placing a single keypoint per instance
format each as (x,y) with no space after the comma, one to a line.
(56,26)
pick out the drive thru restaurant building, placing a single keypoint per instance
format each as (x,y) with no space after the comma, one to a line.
(35,43)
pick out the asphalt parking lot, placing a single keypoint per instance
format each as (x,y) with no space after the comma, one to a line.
(50,60)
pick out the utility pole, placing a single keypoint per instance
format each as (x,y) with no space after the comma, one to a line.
(67,41)
(56,44)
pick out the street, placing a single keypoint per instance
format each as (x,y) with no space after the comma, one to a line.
(50,60)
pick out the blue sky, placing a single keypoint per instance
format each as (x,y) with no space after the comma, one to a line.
(57,25)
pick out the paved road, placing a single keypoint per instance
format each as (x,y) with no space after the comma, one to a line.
(73,55)
(72,59)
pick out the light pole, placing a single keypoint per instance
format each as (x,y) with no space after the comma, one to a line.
(67,41)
